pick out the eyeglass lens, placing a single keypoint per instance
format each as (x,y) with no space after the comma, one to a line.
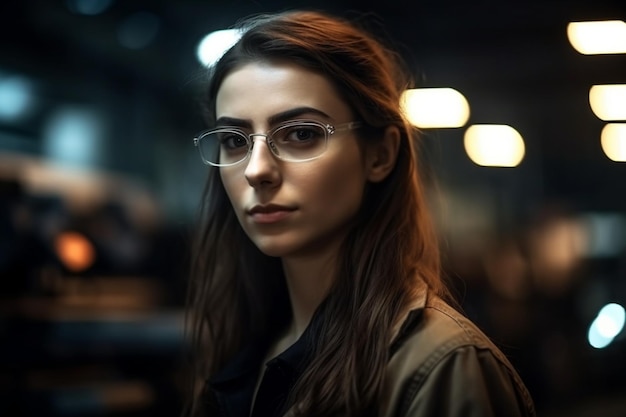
(291,142)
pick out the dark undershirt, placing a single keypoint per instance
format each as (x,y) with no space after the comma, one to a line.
(231,390)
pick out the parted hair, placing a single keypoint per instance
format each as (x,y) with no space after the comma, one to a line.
(237,292)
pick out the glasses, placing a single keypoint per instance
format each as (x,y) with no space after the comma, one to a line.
(293,141)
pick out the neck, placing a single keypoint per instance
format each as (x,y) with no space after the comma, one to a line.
(309,279)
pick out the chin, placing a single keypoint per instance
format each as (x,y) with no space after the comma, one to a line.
(277,246)
(273,253)
(274,250)
(282,248)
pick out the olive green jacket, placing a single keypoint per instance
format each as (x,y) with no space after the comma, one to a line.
(443,365)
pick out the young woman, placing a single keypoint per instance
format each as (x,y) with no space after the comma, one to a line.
(317,289)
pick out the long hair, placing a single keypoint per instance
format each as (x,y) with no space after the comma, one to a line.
(389,250)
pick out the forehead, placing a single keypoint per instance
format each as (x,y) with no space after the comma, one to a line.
(258,90)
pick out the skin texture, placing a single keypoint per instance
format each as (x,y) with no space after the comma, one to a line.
(322,194)
(319,198)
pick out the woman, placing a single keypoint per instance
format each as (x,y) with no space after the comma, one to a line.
(317,289)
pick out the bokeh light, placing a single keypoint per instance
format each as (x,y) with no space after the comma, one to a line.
(16,97)
(435,107)
(138,30)
(215,44)
(73,135)
(75,251)
(494,145)
(88,7)
(613,140)
(599,37)
(608,102)
(607,325)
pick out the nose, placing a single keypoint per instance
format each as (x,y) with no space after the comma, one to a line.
(262,169)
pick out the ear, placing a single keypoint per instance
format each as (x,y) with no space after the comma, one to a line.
(381,156)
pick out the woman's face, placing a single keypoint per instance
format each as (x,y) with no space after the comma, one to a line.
(290,208)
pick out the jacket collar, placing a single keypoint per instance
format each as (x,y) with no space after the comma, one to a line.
(412,320)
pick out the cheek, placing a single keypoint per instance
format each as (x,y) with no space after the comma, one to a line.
(337,187)
(232,186)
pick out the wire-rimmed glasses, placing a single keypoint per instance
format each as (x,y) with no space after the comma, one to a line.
(294,141)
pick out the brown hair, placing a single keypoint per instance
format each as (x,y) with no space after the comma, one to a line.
(391,247)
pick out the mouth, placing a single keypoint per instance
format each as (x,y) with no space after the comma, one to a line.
(270,213)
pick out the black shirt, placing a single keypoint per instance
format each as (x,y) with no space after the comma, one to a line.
(440,364)
(231,390)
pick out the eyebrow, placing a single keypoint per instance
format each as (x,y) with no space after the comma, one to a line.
(274,119)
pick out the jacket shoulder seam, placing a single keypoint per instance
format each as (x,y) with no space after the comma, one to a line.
(468,336)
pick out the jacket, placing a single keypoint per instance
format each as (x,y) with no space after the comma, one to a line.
(440,365)
(443,365)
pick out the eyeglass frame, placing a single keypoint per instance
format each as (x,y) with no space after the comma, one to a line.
(329,130)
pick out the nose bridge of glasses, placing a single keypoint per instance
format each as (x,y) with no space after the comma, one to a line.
(263,135)
(268,141)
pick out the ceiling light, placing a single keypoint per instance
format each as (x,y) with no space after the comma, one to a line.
(600,37)
(613,140)
(435,107)
(494,145)
(608,102)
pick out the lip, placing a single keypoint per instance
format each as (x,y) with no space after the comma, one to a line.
(269,213)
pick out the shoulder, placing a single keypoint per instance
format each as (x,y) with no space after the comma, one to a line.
(445,365)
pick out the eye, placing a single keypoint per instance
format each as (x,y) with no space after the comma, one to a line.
(232,140)
(301,134)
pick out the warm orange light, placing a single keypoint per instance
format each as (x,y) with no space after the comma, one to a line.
(556,250)
(75,251)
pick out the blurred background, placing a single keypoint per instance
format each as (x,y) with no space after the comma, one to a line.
(100,182)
